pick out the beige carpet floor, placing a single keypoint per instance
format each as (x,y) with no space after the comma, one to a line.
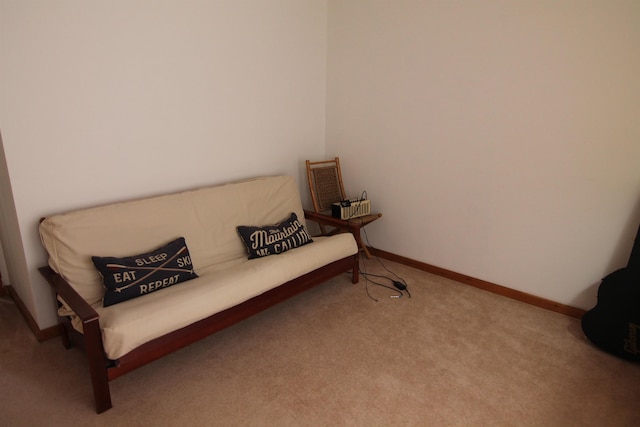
(451,355)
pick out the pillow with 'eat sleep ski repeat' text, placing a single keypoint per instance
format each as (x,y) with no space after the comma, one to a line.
(133,276)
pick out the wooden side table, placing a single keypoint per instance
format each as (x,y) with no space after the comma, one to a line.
(352,225)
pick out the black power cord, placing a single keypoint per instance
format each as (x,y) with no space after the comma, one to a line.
(367,277)
(400,284)
(402,287)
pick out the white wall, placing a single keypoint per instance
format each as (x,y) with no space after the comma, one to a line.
(13,259)
(501,139)
(103,101)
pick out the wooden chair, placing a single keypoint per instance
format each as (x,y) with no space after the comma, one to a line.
(326,187)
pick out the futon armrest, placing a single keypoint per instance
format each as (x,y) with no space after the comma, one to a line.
(80,307)
(93,346)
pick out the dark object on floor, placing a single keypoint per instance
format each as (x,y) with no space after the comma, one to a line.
(614,323)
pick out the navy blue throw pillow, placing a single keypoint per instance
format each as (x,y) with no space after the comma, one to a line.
(134,276)
(274,239)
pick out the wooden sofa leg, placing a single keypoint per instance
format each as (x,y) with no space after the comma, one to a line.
(355,278)
(64,336)
(97,365)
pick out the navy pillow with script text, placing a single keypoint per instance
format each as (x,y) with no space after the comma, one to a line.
(134,276)
(274,239)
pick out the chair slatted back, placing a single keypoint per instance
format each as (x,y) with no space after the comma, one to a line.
(325,183)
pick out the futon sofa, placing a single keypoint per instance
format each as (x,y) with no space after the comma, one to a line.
(139,279)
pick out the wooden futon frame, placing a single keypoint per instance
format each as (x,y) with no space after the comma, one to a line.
(104,370)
